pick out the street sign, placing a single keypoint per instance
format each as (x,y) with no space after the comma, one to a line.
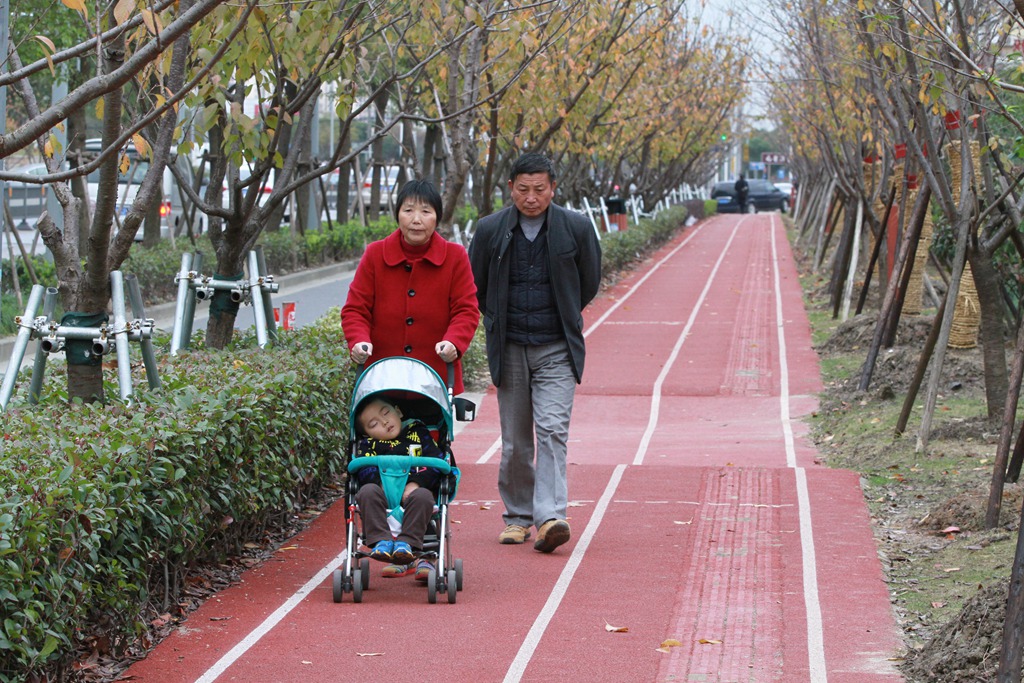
(773,158)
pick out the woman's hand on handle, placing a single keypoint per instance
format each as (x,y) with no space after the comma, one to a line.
(361,352)
(447,351)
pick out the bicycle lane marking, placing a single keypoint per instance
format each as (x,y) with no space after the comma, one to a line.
(812,601)
(533,638)
(496,446)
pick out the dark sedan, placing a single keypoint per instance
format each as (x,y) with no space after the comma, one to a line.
(762,196)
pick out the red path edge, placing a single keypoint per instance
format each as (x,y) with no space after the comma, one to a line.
(700,543)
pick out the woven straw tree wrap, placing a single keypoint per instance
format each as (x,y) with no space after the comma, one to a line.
(914,300)
(872,176)
(967,314)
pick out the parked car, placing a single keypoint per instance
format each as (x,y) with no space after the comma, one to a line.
(787,189)
(128,185)
(388,190)
(761,196)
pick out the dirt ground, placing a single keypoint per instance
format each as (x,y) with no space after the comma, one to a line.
(948,575)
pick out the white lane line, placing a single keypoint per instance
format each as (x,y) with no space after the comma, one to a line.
(815,631)
(652,419)
(235,653)
(540,624)
(497,442)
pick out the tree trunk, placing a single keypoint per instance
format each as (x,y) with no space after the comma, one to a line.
(986,282)
(345,178)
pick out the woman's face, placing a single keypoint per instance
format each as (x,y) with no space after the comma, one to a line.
(417,221)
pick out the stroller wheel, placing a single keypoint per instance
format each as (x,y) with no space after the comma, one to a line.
(453,587)
(432,586)
(458,574)
(339,586)
(357,586)
(364,566)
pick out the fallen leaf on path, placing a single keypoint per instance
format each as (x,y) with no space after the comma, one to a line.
(615,629)
(709,641)
(678,522)
(667,645)
(370,654)
(306,661)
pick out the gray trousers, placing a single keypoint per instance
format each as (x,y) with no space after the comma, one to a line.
(534,399)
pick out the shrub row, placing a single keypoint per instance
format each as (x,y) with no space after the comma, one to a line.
(621,249)
(106,506)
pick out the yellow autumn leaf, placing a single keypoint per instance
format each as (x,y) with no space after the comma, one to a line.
(615,629)
(151,22)
(123,10)
(124,164)
(709,641)
(50,47)
(48,148)
(77,5)
(142,147)
(99,109)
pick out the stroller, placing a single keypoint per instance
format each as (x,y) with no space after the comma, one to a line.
(422,394)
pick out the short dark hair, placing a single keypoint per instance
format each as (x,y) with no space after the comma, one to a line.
(532,162)
(422,190)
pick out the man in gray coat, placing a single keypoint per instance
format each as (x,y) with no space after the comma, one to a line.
(536,266)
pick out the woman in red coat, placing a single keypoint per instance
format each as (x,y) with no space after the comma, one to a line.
(413,293)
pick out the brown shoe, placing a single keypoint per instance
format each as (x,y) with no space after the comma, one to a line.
(551,534)
(514,535)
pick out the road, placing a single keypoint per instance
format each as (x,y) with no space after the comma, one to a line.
(701,520)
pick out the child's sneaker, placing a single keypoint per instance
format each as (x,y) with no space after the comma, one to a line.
(394,571)
(382,551)
(423,571)
(401,553)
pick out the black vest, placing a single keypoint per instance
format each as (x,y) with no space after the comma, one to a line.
(532,313)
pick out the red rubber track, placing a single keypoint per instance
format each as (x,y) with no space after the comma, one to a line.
(701,526)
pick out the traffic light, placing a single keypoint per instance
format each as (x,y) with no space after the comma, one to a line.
(725,137)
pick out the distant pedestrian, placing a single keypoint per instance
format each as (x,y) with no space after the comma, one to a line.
(536,266)
(742,189)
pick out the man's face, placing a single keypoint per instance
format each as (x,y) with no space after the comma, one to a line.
(532,193)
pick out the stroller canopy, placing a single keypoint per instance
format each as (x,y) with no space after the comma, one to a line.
(400,374)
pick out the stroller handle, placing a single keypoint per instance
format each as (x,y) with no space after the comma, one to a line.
(402,462)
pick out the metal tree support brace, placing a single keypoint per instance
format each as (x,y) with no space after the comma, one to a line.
(255,291)
(53,338)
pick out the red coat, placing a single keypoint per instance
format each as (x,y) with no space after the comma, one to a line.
(405,308)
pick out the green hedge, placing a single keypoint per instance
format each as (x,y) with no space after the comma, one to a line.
(104,506)
(621,249)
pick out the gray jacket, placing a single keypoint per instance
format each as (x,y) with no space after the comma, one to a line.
(575,255)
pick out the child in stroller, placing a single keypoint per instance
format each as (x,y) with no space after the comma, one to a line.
(383,432)
(398,509)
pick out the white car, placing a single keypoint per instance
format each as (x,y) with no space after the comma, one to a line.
(787,189)
(389,187)
(128,184)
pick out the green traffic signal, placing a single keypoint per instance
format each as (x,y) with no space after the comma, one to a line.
(725,136)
